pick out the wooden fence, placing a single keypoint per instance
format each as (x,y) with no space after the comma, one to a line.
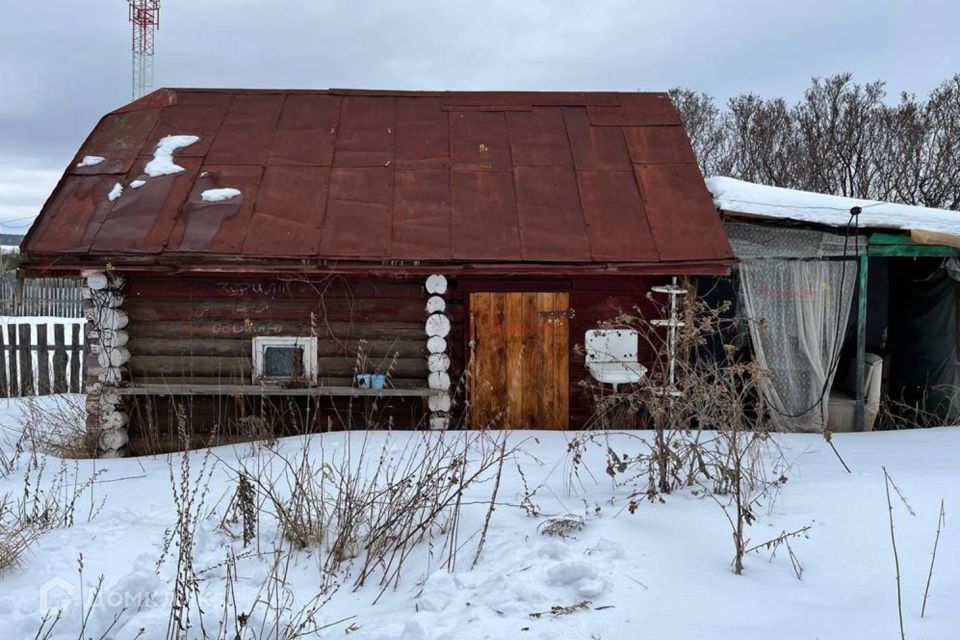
(61,297)
(41,356)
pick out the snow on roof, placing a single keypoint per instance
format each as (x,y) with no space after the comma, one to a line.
(162,163)
(116,192)
(737,196)
(90,161)
(218,195)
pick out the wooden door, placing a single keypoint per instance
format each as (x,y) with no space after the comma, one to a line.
(519,372)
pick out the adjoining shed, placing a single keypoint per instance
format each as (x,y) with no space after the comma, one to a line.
(852,304)
(303,256)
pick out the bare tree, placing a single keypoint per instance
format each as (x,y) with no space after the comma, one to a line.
(842,138)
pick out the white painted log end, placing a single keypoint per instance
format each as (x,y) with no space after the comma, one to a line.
(436,344)
(113,338)
(439,402)
(439,381)
(108,299)
(97,280)
(439,422)
(436,304)
(113,439)
(438,325)
(114,421)
(438,362)
(437,284)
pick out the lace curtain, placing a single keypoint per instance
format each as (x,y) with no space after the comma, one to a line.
(797,311)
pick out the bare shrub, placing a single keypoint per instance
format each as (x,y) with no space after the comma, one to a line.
(273,612)
(47,500)
(57,426)
(368,506)
(50,621)
(702,398)
(562,527)
(841,137)
(190,488)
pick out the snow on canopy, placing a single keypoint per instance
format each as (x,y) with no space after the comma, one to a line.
(737,196)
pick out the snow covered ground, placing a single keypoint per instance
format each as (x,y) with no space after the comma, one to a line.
(662,571)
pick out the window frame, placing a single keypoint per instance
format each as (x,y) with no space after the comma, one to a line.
(307,343)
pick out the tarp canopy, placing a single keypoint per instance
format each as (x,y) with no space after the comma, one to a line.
(736,197)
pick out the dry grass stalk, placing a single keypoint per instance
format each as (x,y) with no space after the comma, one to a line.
(562,610)
(896,556)
(941,521)
(367,507)
(57,426)
(47,501)
(562,527)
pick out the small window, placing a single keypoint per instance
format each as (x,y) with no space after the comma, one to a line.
(284,359)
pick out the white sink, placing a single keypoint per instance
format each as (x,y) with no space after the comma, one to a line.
(617,373)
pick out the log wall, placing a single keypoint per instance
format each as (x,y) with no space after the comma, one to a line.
(199,330)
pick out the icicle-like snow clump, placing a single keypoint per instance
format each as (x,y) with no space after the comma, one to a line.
(136,184)
(115,193)
(217,195)
(162,163)
(90,161)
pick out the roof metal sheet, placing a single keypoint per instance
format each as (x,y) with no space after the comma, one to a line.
(365,137)
(659,145)
(538,137)
(478,140)
(306,132)
(484,220)
(117,138)
(551,222)
(594,148)
(423,134)
(673,196)
(613,211)
(142,220)
(351,174)
(421,215)
(247,130)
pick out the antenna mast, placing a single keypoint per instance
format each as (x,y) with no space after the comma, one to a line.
(145,19)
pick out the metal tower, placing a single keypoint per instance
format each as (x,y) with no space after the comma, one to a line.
(145,18)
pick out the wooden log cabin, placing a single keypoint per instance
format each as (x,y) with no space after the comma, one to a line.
(341,258)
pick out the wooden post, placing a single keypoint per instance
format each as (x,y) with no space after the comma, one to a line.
(59,359)
(14,376)
(27,387)
(76,351)
(43,361)
(4,354)
(861,340)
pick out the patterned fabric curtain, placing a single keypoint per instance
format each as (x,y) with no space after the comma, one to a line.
(797,311)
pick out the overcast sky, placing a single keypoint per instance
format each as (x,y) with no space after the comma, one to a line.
(64,63)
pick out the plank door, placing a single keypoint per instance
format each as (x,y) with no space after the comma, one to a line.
(520,367)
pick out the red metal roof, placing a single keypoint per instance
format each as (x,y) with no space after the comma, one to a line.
(383,175)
